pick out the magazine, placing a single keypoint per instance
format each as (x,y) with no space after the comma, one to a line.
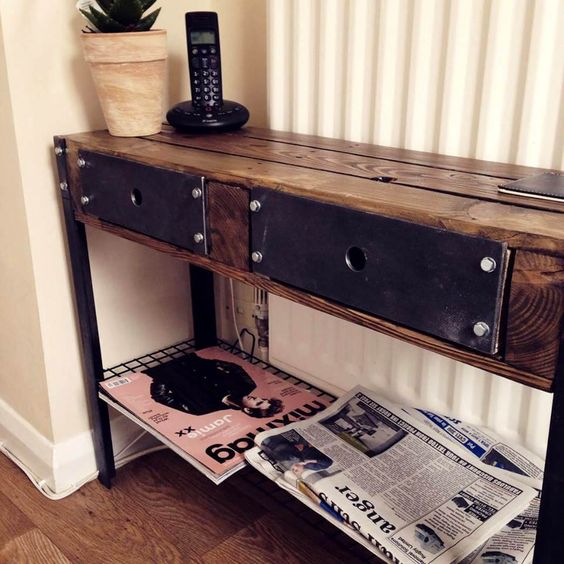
(209,405)
(414,495)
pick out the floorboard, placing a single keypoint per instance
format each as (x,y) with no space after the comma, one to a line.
(159,510)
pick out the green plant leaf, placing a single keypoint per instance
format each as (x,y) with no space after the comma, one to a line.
(106,5)
(146,4)
(104,23)
(92,19)
(126,12)
(146,23)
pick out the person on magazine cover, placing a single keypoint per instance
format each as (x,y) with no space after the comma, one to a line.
(298,454)
(200,386)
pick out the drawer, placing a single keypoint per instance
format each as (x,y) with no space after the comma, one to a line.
(154,201)
(444,284)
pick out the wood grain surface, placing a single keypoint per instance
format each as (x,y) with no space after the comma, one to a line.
(228,216)
(350,164)
(494,365)
(527,228)
(535,313)
(160,509)
(447,162)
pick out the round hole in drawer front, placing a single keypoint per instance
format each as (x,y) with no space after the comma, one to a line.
(355,258)
(136,197)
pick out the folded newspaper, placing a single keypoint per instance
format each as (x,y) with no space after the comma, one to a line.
(398,483)
(514,543)
(208,406)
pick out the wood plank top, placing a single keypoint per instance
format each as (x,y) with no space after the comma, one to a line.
(463,199)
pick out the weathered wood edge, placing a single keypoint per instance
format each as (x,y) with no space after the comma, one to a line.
(326,306)
(422,177)
(535,313)
(436,160)
(527,229)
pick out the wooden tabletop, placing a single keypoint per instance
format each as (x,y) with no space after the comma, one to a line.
(442,191)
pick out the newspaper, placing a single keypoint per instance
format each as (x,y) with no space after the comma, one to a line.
(486,445)
(414,495)
(514,544)
(208,406)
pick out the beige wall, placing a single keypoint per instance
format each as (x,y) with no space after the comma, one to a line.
(141,295)
(21,349)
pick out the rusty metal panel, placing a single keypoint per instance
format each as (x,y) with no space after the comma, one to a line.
(428,279)
(154,201)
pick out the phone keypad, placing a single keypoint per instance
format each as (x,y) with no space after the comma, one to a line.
(206,87)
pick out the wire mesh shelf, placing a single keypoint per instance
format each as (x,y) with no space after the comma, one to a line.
(250,479)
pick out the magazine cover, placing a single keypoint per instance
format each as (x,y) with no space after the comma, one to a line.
(210,405)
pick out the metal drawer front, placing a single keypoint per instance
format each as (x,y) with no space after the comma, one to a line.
(442,283)
(150,200)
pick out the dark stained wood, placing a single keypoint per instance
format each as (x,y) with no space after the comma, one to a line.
(536,307)
(13,523)
(159,510)
(228,216)
(90,519)
(405,174)
(526,228)
(186,504)
(32,546)
(447,162)
(486,363)
(263,542)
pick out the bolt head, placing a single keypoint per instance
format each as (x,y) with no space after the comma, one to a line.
(198,237)
(256,256)
(84,200)
(255,206)
(488,264)
(63,186)
(81,162)
(196,193)
(481,329)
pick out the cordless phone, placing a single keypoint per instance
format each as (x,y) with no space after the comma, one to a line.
(204,60)
(207,111)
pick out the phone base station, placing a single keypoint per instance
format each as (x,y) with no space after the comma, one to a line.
(189,119)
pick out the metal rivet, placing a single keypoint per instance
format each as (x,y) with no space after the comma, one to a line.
(488,264)
(59,151)
(481,329)
(63,186)
(256,256)
(81,162)
(84,200)
(196,193)
(255,206)
(198,237)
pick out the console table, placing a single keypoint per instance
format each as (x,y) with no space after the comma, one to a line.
(419,246)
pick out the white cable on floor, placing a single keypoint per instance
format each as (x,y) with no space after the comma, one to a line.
(234,316)
(41,485)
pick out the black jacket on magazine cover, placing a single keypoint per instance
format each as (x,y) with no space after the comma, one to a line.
(198,385)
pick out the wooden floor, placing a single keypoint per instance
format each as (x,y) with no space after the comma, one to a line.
(159,510)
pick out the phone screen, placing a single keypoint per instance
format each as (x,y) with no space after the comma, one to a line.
(202,37)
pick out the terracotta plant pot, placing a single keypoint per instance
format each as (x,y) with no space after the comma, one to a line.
(129,72)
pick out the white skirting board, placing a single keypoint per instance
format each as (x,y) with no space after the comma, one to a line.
(59,465)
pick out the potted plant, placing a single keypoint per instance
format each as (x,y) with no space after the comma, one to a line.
(128,63)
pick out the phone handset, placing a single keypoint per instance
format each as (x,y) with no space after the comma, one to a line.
(204,60)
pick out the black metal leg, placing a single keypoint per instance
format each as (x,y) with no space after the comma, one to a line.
(203,307)
(91,353)
(547,546)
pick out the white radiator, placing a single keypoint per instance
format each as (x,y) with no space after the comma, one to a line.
(480,78)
